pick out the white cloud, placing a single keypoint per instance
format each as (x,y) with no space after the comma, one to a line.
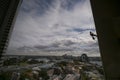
(34,28)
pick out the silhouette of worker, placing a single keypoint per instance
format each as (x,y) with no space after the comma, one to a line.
(93,35)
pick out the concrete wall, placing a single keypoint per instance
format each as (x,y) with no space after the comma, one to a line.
(8,9)
(107,21)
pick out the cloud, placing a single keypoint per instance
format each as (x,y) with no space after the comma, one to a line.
(53,25)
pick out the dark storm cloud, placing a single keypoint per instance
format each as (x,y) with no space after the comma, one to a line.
(38,6)
(69,4)
(81,30)
(56,46)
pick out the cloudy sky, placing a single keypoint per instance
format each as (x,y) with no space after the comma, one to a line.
(53,27)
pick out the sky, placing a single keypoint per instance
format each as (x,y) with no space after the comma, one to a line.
(53,27)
